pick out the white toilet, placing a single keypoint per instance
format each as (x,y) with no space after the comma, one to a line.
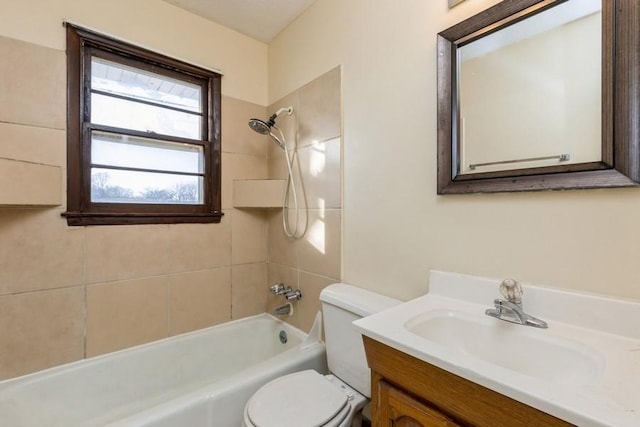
(307,398)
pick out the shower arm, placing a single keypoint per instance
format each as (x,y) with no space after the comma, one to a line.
(271,121)
(288,110)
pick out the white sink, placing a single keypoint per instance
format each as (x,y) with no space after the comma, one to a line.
(526,350)
(584,368)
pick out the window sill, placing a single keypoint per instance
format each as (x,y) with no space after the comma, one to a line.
(82,219)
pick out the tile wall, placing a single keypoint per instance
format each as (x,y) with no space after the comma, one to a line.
(72,292)
(67,293)
(313,261)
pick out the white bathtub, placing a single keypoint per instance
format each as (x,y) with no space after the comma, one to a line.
(200,379)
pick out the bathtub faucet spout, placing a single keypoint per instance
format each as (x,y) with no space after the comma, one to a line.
(285,309)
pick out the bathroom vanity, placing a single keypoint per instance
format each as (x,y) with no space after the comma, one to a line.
(408,392)
(443,359)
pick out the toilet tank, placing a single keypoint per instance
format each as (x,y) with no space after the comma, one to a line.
(341,305)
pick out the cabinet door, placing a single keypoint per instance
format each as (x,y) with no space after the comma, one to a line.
(398,409)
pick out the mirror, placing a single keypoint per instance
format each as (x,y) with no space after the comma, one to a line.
(529,94)
(540,94)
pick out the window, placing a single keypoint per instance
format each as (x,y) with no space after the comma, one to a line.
(143,135)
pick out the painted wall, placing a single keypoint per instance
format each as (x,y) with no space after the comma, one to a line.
(149,23)
(396,228)
(72,292)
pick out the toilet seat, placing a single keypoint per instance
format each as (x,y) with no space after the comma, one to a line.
(300,399)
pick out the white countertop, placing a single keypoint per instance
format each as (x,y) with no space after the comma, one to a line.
(609,328)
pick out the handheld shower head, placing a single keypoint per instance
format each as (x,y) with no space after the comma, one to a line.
(260,126)
(265,128)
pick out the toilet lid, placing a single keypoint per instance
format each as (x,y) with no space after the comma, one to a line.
(300,399)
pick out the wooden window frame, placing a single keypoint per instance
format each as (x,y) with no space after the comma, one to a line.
(82,44)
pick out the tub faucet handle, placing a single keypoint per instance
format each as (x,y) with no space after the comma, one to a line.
(279,289)
(293,295)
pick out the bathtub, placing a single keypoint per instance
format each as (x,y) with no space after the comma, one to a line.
(199,379)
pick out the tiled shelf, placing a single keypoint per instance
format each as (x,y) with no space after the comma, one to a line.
(258,193)
(29,184)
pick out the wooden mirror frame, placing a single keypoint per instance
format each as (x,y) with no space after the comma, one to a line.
(620,164)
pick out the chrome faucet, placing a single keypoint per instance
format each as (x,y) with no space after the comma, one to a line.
(289,294)
(280,289)
(293,295)
(510,309)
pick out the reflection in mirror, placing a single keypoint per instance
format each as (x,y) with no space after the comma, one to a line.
(538,95)
(530,94)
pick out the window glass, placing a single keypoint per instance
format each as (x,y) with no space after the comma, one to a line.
(123,186)
(119,79)
(109,149)
(116,112)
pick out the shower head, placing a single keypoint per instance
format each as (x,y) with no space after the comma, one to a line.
(260,126)
(264,127)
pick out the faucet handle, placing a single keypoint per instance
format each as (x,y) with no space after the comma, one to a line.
(511,291)
(293,295)
(278,289)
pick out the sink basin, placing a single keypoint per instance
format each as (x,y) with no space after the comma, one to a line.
(529,351)
(584,369)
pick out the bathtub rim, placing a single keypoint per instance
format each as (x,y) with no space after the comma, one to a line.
(7,383)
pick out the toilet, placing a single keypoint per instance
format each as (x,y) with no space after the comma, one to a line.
(308,398)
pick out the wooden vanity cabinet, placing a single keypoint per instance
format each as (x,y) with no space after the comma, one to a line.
(407,392)
(399,409)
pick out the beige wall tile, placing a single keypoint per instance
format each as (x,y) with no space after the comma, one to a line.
(239,166)
(248,290)
(320,116)
(249,236)
(298,218)
(280,274)
(321,174)
(38,251)
(33,144)
(317,175)
(282,250)
(33,84)
(125,252)
(237,136)
(200,246)
(125,314)
(199,299)
(277,168)
(320,249)
(40,330)
(311,285)
(287,123)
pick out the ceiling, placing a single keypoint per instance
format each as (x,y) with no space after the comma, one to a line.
(260,19)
